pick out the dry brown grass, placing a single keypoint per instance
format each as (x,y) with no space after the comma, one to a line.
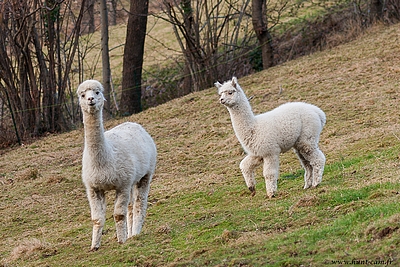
(198,178)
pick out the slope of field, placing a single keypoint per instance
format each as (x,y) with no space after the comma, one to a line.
(200,211)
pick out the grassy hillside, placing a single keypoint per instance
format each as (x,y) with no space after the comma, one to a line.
(200,212)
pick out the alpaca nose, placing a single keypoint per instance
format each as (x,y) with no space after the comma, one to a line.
(222,100)
(91,100)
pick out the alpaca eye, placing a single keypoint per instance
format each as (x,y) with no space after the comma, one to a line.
(82,96)
(230,92)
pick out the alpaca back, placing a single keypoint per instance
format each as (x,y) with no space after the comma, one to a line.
(132,144)
(306,111)
(280,129)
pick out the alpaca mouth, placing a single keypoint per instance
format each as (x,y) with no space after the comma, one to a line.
(92,104)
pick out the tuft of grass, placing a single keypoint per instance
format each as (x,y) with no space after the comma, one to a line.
(28,174)
(31,249)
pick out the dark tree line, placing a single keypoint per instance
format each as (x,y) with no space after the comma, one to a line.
(41,61)
(216,37)
(36,56)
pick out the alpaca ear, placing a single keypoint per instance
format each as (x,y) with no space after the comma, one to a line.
(101,88)
(234,82)
(218,85)
(78,91)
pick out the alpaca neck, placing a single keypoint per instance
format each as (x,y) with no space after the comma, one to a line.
(243,119)
(95,142)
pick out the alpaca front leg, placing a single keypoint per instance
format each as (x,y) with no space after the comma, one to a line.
(120,212)
(140,195)
(247,166)
(271,174)
(97,204)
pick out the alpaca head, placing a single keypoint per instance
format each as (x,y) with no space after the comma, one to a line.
(230,92)
(90,94)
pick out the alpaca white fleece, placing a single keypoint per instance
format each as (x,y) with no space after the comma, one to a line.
(121,159)
(295,125)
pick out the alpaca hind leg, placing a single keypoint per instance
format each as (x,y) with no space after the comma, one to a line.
(140,195)
(317,161)
(97,204)
(247,166)
(318,164)
(120,214)
(271,174)
(130,214)
(308,170)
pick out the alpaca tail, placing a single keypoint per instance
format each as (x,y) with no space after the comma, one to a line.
(322,117)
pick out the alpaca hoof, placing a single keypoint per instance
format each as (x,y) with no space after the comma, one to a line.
(270,195)
(94,249)
(252,190)
(307,186)
(121,241)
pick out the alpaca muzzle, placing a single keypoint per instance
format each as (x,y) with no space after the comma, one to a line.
(91,101)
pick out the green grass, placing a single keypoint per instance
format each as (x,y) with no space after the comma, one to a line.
(200,211)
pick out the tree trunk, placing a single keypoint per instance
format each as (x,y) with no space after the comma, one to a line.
(50,106)
(376,9)
(133,58)
(260,26)
(105,58)
(188,81)
(90,10)
(113,12)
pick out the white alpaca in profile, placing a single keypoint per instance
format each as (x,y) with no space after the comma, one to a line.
(121,159)
(292,125)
